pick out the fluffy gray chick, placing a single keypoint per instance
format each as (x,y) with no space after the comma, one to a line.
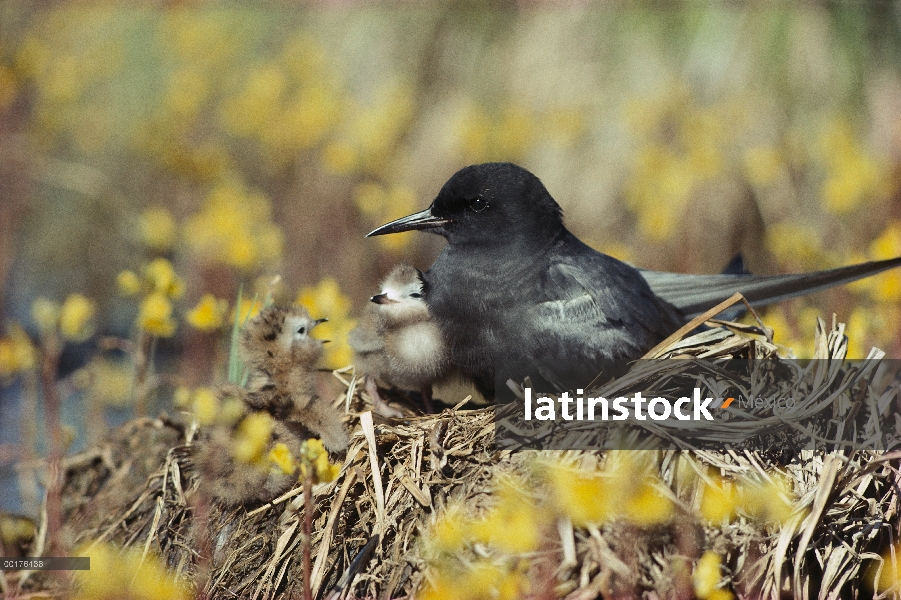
(397,343)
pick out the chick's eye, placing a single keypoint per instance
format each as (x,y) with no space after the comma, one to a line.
(479,204)
(415,295)
(302,330)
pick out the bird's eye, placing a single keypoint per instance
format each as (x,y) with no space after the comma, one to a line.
(416,295)
(479,204)
(302,331)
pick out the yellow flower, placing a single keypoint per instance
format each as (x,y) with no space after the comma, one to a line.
(17,353)
(235,227)
(450,530)
(155,315)
(648,505)
(75,318)
(886,287)
(370,198)
(128,282)
(247,310)
(512,525)
(252,437)
(795,244)
(112,382)
(45,314)
(477,581)
(125,573)
(280,455)
(181,397)
(8,86)
(640,497)
(162,278)
(719,501)
(707,577)
(231,411)
(580,495)
(314,459)
(339,157)
(157,226)
(209,314)
(325,299)
(890,574)
(206,406)
(769,500)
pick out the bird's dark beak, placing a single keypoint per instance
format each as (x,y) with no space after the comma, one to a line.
(421,220)
(382,299)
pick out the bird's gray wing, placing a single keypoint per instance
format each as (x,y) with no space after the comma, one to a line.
(596,311)
(694,294)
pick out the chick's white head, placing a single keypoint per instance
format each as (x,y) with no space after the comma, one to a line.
(400,300)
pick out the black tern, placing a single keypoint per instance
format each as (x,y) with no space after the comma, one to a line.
(516,293)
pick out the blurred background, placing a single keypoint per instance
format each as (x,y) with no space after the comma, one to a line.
(155,160)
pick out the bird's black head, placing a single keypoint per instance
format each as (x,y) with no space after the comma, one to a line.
(487,204)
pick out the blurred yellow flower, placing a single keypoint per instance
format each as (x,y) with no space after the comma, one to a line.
(157,227)
(768,500)
(326,300)
(481,580)
(280,455)
(206,406)
(209,314)
(252,437)
(648,504)
(796,244)
(707,577)
(581,495)
(339,157)
(17,353)
(314,460)
(45,314)
(719,501)
(890,571)
(112,381)
(188,89)
(155,315)
(128,282)
(450,530)
(513,524)
(126,573)
(234,227)
(247,310)
(8,86)
(163,279)
(75,318)
(370,198)
(231,410)
(886,287)
(853,175)
(181,397)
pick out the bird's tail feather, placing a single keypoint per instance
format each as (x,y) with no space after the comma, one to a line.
(693,294)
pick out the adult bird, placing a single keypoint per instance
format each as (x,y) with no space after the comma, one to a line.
(516,294)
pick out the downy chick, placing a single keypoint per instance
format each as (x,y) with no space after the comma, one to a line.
(232,482)
(397,342)
(281,357)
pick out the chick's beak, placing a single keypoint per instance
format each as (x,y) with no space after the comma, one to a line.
(382,299)
(421,220)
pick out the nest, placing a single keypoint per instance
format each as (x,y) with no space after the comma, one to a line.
(139,488)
